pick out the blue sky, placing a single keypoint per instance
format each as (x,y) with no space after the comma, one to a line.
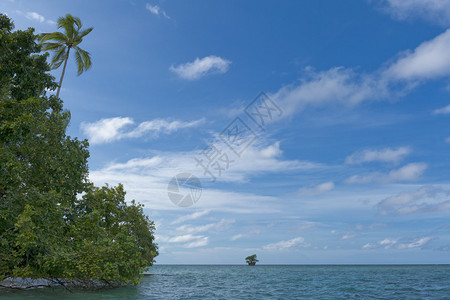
(354,167)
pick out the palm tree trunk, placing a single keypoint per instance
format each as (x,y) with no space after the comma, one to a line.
(63,71)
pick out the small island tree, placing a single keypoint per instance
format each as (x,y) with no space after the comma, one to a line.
(251,260)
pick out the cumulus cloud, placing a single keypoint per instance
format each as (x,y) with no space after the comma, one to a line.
(156,10)
(435,11)
(114,129)
(399,243)
(409,172)
(422,200)
(383,155)
(201,67)
(318,189)
(444,110)
(285,245)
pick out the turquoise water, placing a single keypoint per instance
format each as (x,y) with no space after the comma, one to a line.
(271,282)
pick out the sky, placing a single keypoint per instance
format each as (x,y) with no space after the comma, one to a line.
(311,132)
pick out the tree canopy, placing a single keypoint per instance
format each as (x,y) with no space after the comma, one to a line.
(54,223)
(251,260)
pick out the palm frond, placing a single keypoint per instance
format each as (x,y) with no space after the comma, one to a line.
(58,57)
(77,22)
(83,59)
(56,36)
(85,32)
(67,24)
(50,46)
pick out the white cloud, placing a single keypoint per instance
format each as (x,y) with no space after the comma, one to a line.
(191,241)
(221,225)
(409,172)
(285,245)
(383,155)
(318,189)
(201,67)
(335,86)
(386,243)
(156,10)
(399,243)
(192,216)
(113,129)
(429,60)
(237,236)
(35,16)
(444,110)
(345,87)
(146,178)
(425,199)
(105,130)
(348,236)
(435,11)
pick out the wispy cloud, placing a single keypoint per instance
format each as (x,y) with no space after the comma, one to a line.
(34,16)
(382,155)
(114,129)
(347,236)
(285,245)
(156,10)
(429,60)
(346,87)
(409,172)
(444,110)
(425,199)
(399,243)
(336,86)
(221,225)
(318,189)
(192,216)
(189,240)
(435,11)
(201,67)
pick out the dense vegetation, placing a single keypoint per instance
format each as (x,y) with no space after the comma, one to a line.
(54,223)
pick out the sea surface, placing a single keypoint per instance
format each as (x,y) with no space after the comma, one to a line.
(271,282)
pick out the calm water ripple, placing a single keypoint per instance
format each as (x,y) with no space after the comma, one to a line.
(271,282)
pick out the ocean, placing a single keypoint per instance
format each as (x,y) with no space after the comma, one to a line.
(271,282)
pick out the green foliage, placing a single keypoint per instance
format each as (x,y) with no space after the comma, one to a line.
(47,230)
(251,260)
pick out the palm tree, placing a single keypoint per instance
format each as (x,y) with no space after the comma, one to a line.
(61,43)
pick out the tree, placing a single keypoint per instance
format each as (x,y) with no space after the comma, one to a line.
(62,43)
(47,230)
(251,260)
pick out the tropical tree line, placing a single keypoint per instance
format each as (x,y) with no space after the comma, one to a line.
(54,223)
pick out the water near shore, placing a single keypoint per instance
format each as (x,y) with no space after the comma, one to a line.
(271,282)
